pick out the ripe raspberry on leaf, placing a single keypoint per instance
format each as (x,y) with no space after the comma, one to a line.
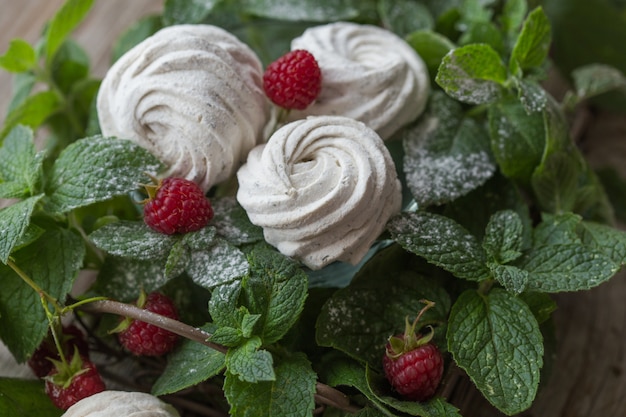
(71,337)
(176,205)
(294,80)
(145,339)
(68,383)
(412,363)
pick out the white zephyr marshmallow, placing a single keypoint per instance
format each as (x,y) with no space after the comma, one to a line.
(121,404)
(193,96)
(322,189)
(368,74)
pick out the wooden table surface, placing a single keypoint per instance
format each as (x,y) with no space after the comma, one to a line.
(589,373)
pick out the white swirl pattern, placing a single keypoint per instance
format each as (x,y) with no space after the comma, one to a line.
(193,96)
(321,188)
(368,74)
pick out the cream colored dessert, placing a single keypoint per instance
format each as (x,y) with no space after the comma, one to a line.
(322,189)
(193,96)
(121,404)
(368,74)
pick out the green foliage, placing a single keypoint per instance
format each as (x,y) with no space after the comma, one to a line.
(496,340)
(19,57)
(20,397)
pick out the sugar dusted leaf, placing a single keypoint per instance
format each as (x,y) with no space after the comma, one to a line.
(123,278)
(594,79)
(291,394)
(187,11)
(232,222)
(132,239)
(442,242)
(533,43)
(19,57)
(190,364)
(95,169)
(359,319)
(217,264)
(496,340)
(472,74)
(53,262)
(504,236)
(250,363)
(532,96)
(517,138)
(14,221)
(177,260)
(512,278)
(447,155)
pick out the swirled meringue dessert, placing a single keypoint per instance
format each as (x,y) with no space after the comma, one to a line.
(193,96)
(121,404)
(368,74)
(322,189)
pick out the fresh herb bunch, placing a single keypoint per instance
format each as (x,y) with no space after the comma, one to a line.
(502,210)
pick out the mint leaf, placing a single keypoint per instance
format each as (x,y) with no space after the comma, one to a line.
(566,267)
(381,390)
(442,242)
(496,340)
(446,155)
(21,397)
(555,181)
(224,306)
(123,278)
(517,138)
(187,11)
(32,112)
(512,17)
(595,79)
(232,222)
(19,57)
(532,45)
(52,261)
(289,395)
(250,363)
(504,236)
(95,169)
(63,23)
(404,16)
(541,304)
(218,264)
(190,364)
(483,33)
(512,278)
(296,10)
(557,229)
(359,319)
(14,221)
(609,240)
(472,74)
(532,96)
(20,164)
(139,31)
(431,47)
(276,289)
(132,239)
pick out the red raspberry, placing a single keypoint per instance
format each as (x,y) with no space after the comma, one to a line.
(145,339)
(412,363)
(294,80)
(72,337)
(177,205)
(415,374)
(68,384)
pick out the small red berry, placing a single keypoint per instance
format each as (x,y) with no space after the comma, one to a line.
(413,365)
(177,205)
(145,339)
(68,384)
(294,80)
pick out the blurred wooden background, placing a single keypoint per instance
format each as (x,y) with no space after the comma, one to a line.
(589,375)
